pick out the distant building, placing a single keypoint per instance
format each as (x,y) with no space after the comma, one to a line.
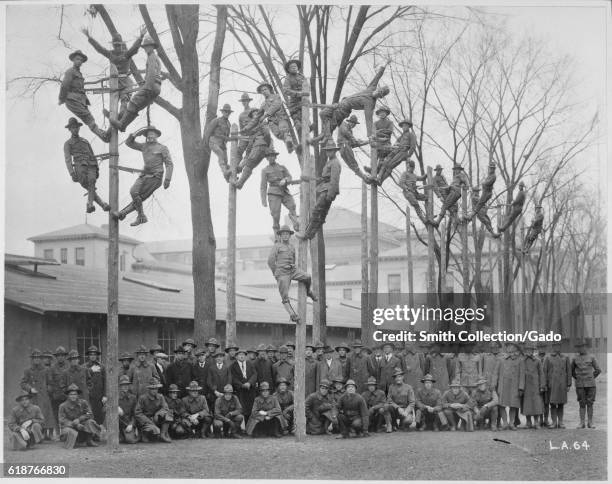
(83,245)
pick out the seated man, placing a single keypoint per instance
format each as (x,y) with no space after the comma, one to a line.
(198,414)
(457,404)
(400,402)
(377,413)
(429,406)
(320,410)
(180,426)
(76,420)
(153,416)
(485,405)
(127,406)
(352,412)
(266,416)
(285,399)
(228,414)
(25,423)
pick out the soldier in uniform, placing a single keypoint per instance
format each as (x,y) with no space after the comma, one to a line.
(485,404)
(155,156)
(535,229)
(76,420)
(212,345)
(408,185)
(259,147)
(468,367)
(457,406)
(141,372)
(320,410)
(285,400)
(328,188)
(383,129)
(377,412)
(329,368)
(243,121)
(72,93)
(266,415)
(244,379)
(479,202)
(358,366)
(180,426)
(263,366)
(82,165)
(121,57)
(219,375)
(353,413)
(283,369)
(197,411)
(274,115)
(125,360)
(216,136)
(47,358)
(78,375)
(147,93)
(481,214)
(342,349)
(438,366)
(413,364)
(293,86)
(346,143)
(128,433)
(584,370)
(310,370)
(531,385)
(400,402)
(558,376)
(228,414)
(189,345)
(96,376)
(508,386)
(58,381)
(388,364)
(281,262)
(429,406)
(153,416)
(460,180)
(441,189)
(25,423)
(35,382)
(179,371)
(516,208)
(403,149)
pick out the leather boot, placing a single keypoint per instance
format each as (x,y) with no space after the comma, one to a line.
(553,418)
(90,207)
(246,173)
(126,118)
(560,417)
(388,426)
(123,213)
(103,205)
(104,135)
(590,417)
(582,413)
(163,435)
(295,221)
(470,423)
(140,219)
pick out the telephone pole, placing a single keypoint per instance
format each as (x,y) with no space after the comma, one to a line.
(230,283)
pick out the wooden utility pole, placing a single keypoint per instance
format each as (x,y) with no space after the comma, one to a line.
(372,296)
(300,327)
(112,321)
(431,256)
(230,284)
(409,257)
(465,269)
(500,294)
(365,312)
(443,260)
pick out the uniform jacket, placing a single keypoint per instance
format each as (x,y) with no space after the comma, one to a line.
(263,367)
(73,86)
(439,367)
(345,136)
(140,374)
(490,368)
(482,398)
(359,370)
(147,406)
(70,411)
(363,100)
(353,405)
(462,397)
(293,82)
(36,377)
(196,405)
(316,404)
(281,260)
(374,400)
(153,77)
(127,402)
(384,130)
(468,368)
(271,176)
(330,178)
(179,373)
(19,415)
(226,409)
(431,398)
(58,381)
(401,396)
(283,369)
(508,382)
(78,151)
(268,404)
(558,377)
(584,370)
(121,60)
(218,130)
(218,378)
(155,157)
(79,376)
(177,406)
(273,107)
(328,371)
(285,400)
(346,367)
(413,364)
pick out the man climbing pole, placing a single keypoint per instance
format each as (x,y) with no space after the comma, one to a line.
(402,150)
(516,208)
(460,180)
(481,213)
(346,143)
(121,57)
(383,129)
(274,115)
(243,120)
(282,264)
(487,192)
(259,144)
(217,135)
(72,94)
(535,229)
(82,165)
(292,88)
(275,179)
(147,93)
(155,156)
(407,183)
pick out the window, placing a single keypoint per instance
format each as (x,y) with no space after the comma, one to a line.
(122,262)
(48,254)
(394,287)
(64,256)
(347,293)
(166,337)
(88,333)
(79,256)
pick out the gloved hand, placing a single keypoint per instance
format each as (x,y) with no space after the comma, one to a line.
(24,433)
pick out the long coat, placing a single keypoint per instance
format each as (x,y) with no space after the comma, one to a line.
(310,385)
(359,371)
(96,376)
(412,364)
(140,374)
(508,382)
(558,376)
(438,366)
(531,382)
(490,368)
(331,371)
(200,374)
(78,375)
(217,379)
(245,395)
(468,369)
(179,373)
(36,377)
(386,371)
(264,371)
(346,367)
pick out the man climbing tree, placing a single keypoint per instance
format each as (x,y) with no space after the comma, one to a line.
(482,212)
(487,191)
(217,135)
(274,115)
(535,229)
(259,145)
(516,208)
(402,150)
(292,88)
(346,143)
(460,180)
(275,179)
(243,120)
(407,183)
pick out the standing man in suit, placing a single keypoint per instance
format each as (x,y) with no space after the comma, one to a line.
(263,366)
(244,378)
(160,365)
(218,376)
(283,369)
(388,363)
(328,368)
(199,371)
(179,372)
(374,364)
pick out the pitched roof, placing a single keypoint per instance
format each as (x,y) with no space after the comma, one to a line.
(84,290)
(79,232)
(186,245)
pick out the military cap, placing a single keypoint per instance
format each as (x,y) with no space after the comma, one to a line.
(283,349)
(47,354)
(352,119)
(438,167)
(481,381)
(271,152)
(231,346)
(338,379)
(455,383)
(270,348)
(350,382)
(146,129)
(398,372)
(262,85)
(282,379)
(36,354)
(318,344)
(148,41)
(228,388)
(193,387)
(142,349)
(116,38)
(125,356)
(226,108)
(241,351)
(261,347)
(312,347)
(73,122)
(343,345)
(201,351)
(264,386)
(428,377)
(289,343)
(328,349)
(173,388)
(73,387)
(254,112)
(405,121)
(382,109)
(245,97)
(93,349)
(124,380)
(324,383)
(60,350)
(285,228)
(457,166)
(179,349)
(155,348)
(154,383)
(331,146)
(292,61)
(189,341)
(219,353)
(22,394)
(213,342)
(371,380)
(357,344)
(522,184)
(73,354)
(79,53)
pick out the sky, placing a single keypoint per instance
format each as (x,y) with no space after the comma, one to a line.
(40,196)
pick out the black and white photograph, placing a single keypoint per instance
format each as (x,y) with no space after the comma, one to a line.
(348,242)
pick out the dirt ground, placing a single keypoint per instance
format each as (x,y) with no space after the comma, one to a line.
(399,456)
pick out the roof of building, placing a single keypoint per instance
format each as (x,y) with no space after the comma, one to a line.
(149,294)
(79,232)
(343,220)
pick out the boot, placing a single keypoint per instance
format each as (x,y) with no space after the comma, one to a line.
(90,442)
(90,207)
(560,417)
(103,205)
(246,173)
(140,219)
(582,413)
(125,120)
(104,135)
(295,222)
(388,426)
(553,418)
(311,295)
(123,212)
(470,424)
(163,435)
(590,417)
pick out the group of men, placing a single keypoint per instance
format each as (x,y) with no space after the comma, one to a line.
(350,390)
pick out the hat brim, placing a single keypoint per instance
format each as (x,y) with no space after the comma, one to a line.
(382,110)
(159,385)
(227,350)
(261,86)
(78,54)
(189,343)
(292,61)
(223,110)
(402,123)
(340,347)
(193,389)
(75,124)
(21,397)
(68,392)
(155,130)
(423,380)
(153,44)
(286,231)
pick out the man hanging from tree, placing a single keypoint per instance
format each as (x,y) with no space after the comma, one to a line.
(332,115)
(327,191)
(346,143)
(121,57)
(383,129)
(402,150)
(275,179)
(460,180)
(259,145)
(72,94)
(292,88)
(516,208)
(147,93)
(482,212)
(407,183)
(217,135)
(535,229)
(274,115)
(82,165)
(155,157)
(487,192)
(281,262)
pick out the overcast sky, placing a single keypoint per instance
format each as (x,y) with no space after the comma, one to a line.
(40,196)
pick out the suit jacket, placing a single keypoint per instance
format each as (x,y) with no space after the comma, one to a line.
(386,371)
(328,372)
(217,379)
(160,367)
(238,378)
(200,375)
(264,371)
(374,370)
